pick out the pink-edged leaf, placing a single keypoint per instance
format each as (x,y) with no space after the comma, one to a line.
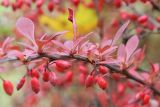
(110,50)
(134,73)
(26,27)
(59,44)
(69,44)
(54,36)
(6,42)
(106,43)
(131,46)
(27,46)
(155,67)
(121,54)
(82,40)
(120,32)
(71,18)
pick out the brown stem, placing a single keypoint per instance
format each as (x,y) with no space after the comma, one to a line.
(155,6)
(85,59)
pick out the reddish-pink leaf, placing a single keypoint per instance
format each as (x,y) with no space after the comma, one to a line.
(110,50)
(131,46)
(70,17)
(120,32)
(26,27)
(155,67)
(121,53)
(6,42)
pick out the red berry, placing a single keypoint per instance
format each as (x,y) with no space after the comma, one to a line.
(39,3)
(143,19)
(34,73)
(89,81)
(158,19)
(21,83)
(82,78)
(76,2)
(118,3)
(50,6)
(121,88)
(102,83)
(14,6)
(62,65)
(53,78)
(19,3)
(35,85)
(146,99)
(124,15)
(144,1)
(103,69)
(133,17)
(132,1)
(82,69)
(46,75)
(68,76)
(8,87)
(5,3)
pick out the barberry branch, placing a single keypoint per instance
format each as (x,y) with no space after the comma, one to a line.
(85,59)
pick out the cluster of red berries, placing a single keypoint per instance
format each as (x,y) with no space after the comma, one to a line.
(48,76)
(20,3)
(118,3)
(145,98)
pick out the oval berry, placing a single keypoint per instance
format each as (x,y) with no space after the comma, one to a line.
(82,69)
(50,6)
(46,75)
(103,69)
(102,83)
(89,81)
(62,65)
(69,76)
(142,19)
(21,83)
(34,73)
(35,85)
(8,87)
(146,99)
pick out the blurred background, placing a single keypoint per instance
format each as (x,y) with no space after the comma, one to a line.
(103,17)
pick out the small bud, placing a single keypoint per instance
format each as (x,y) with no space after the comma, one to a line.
(8,87)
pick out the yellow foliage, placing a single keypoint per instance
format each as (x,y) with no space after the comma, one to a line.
(86,21)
